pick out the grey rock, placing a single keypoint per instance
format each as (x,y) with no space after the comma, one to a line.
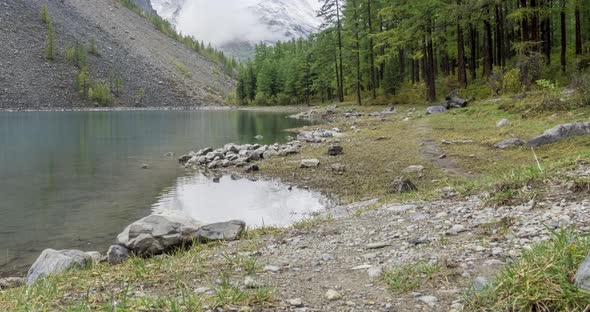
(252,168)
(96,256)
(428,300)
(402,185)
(159,233)
(11,282)
(479,284)
(378,245)
(338,168)
(413,169)
(117,254)
(297,302)
(582,279)
(560,132)
(432,110)
(333,295)
(271,268)
(184,159)
(503,123)
(270,154)
(456,229)
(227,231)
(510,143)
(252,283)
(310,163)
(57,261)
(335,150)
(375,271)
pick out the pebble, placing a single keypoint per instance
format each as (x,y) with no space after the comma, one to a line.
(429,300)
(271,268)
(378,245)
(297,302)
(333,295)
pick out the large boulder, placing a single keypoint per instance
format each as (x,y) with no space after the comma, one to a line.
(583,275)
(432,110)
(159,233)
(57,261)
(227,231)
(560,132)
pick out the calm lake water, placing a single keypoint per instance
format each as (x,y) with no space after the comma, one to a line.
(74,179)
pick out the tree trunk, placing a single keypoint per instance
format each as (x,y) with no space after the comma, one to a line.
(473,48)
(341,77)
(429,64)
(563,38)
(488,65)
(524,28)
(535,25)
(402,64)
(546,36)
(578,30)
(357,54)
(461,71)
(499,37)
(371,52)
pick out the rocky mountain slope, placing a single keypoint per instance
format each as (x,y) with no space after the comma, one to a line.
(156,71)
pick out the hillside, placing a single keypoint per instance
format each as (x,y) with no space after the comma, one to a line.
(155,70)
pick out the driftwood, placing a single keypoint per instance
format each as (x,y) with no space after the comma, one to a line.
(455,101)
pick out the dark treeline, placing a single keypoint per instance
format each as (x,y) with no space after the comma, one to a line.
(368,49)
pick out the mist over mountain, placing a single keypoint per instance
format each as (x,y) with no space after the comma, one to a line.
(237,25)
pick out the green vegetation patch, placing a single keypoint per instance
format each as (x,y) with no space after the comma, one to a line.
(542,280)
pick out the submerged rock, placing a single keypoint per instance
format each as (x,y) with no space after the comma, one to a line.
(158,233)
(560,132)
(57,261)
(227,231)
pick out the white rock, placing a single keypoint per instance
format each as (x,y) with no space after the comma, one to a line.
(271,268)
(429,300)
(333,295)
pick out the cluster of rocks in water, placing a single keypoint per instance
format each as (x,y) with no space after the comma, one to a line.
(234,155)
(151,236)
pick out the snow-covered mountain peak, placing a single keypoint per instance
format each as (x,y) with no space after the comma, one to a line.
(236,22)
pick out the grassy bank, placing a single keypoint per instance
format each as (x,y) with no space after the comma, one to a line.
(378,149)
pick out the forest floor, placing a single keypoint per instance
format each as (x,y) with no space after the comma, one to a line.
(477,210)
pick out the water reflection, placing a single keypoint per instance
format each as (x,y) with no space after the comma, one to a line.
(74,179)
(258,203)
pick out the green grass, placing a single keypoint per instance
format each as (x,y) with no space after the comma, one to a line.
(157,284)
(542,280)
(183,70)
(408,277)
